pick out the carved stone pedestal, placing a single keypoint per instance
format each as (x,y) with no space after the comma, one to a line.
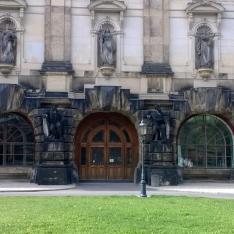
(205,73)
(166,176)
(57,76)
(57,82)
(6,69)
(54,174)
(107,70)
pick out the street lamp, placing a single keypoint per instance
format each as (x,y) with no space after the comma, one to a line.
(143,133)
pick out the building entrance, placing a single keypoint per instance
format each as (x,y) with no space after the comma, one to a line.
(106,148)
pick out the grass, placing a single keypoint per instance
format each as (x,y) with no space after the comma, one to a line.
(42,215)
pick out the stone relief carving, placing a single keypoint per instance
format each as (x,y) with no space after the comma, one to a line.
(107,47)
(204,47)
(8,42)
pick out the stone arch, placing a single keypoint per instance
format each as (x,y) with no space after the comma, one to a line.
(205,141)
(200,24)
(17,140)
(98,25)
(213,101)
(18,25)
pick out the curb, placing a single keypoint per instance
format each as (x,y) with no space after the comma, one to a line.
(7,190)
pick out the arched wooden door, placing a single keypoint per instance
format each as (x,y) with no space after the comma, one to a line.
(106,148)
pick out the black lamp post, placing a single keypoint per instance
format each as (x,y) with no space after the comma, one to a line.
(143,133)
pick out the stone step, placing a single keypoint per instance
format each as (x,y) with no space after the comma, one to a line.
(11,176)
(215,174)
(15,172)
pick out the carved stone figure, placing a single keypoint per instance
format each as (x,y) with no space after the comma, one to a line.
(107,48)
(204,48)
(8,47)
(52,127)
(160,124)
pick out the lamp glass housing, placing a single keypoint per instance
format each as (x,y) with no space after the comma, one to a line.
(143,128)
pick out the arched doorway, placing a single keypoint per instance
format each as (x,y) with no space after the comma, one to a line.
(16,141)
(205,141)
(106,147)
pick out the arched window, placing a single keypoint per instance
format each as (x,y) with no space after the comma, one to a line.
(205,142)
(204,47)
(8,42)
(16,141)
(106,46)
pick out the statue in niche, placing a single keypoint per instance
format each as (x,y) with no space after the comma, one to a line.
(52,126)
(204,48)
(8,44)
(107,48)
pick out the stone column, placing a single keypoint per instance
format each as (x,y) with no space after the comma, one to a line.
(156,31)
(57,67)
(156,45)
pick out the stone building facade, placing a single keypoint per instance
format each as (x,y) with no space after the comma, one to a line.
(78,76)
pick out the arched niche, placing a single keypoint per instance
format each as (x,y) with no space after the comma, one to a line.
(13,10)
(107,12)
(207,13)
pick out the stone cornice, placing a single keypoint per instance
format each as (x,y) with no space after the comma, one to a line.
(15,4)
(204,6)
(107,5)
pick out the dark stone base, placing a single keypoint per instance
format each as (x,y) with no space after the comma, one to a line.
(166,176)
(54,175)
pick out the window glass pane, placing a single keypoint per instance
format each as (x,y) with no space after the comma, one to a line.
(114,137)
(97,156)
(229,162)
(211,162)
(99,137)
(18,159)
(115,157)
(83,156)
(9,159)
(29,159)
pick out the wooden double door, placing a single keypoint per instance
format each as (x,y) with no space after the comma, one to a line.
(107,148)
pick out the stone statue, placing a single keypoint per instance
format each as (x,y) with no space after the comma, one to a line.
(204,48)
(107,48)
(52,127)
(160,125)
(45,125)
(8,47)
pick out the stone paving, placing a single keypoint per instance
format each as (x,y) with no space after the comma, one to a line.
(212,189)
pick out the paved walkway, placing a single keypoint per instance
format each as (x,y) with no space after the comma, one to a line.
(213,189)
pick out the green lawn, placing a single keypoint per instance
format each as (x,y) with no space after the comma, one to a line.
(115,215)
